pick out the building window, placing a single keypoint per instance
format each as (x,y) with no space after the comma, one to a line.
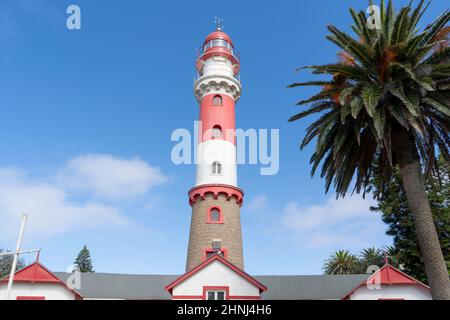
(209,252)
(215,295)
(214,215)
(217,100)
(217,132)
(216,168)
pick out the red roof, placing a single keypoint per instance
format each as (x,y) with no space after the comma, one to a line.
(37,273)
(219,258)
(218,35)
(388,275)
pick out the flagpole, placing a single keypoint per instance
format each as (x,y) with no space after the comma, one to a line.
(16,256)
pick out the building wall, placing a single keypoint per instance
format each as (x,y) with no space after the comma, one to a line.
(51,291)
(407,292)
(216,274)
(202,234)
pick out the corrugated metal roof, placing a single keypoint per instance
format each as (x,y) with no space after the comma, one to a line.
(122,286)
(314,287)
(126,286)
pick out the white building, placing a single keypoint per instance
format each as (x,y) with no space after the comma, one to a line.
(36,282)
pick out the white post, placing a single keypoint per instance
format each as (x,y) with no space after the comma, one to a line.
(20,252)
(16,256)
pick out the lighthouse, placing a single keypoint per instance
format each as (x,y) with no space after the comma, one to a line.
(215,262)
(216,198)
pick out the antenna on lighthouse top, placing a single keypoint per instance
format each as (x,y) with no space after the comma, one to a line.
(219,23)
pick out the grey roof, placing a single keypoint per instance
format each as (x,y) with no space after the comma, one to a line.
(122,286)
(126,286)
(314,287)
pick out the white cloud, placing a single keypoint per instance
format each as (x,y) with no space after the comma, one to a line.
(346,222)
(110,177)
(52,206)
(51,211)
(257,204)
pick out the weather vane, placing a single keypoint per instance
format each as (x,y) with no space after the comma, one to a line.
(219,23)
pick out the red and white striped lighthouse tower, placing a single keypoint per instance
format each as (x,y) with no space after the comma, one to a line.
(216,198)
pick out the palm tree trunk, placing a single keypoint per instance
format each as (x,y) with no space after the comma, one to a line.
(435,266)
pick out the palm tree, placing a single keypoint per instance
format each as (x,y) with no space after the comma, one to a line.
(386,103)
(371,257)
(342,262)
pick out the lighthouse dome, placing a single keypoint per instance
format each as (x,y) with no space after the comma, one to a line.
(218,35)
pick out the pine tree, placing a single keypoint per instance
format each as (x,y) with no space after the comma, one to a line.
(84,261)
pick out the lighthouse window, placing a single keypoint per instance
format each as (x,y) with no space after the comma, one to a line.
(217,100)
(217,43)
(209,252)
(216,168)
(214,214)
(217,132)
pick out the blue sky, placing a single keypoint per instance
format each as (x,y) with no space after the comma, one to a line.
(87,115)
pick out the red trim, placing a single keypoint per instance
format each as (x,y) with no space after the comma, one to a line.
(216,189)
(218,51)
(187,297)
(208,216)
(388,276)
(30,298)
(210,250)
(217,288)
(215,257)
(245,297)
(38,273)
(200,297)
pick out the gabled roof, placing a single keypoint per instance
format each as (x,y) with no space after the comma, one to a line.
(34,272)
(388,275)
(38,273)
(222,260)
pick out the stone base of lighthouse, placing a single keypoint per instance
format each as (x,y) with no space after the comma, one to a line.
(203,233)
